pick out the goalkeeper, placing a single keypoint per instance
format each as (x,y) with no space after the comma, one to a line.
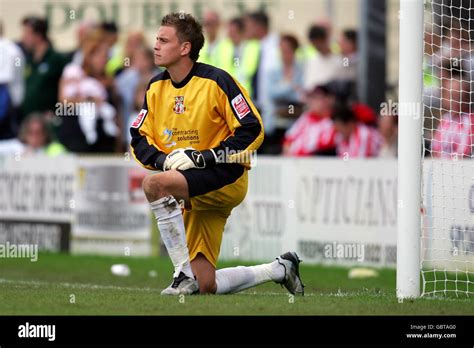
(197,128)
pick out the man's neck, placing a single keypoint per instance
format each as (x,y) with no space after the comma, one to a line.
(325,51)
(212,39)
(40,51)
(263,35)
(179,71)
(236,43)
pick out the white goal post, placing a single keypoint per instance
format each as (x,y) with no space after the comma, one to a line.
(409,148)
(435,241)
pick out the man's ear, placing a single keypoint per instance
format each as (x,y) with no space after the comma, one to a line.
(185,48)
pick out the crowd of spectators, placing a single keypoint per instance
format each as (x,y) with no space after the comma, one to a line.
(83,101)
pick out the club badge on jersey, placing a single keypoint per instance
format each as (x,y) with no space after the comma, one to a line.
(179,105)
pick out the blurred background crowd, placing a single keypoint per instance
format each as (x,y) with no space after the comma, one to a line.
(83,101)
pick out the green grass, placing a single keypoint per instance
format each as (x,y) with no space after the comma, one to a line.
(45,288)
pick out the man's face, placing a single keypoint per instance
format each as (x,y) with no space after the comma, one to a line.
(287,52)
(234,33)
(251,28)
(168,49)
(28,37)
(345,129)
(321,103)
(346,45)
(319,44)
(35,135)
(211,24)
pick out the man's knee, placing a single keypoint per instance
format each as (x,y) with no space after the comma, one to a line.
(164,184)
(154,187)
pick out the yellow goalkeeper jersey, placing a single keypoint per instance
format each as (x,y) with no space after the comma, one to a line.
(207,110)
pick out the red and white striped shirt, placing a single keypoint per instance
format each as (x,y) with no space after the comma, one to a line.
(364,141)
(310,134)
(454,136)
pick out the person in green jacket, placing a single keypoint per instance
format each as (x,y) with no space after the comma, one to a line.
(43,69)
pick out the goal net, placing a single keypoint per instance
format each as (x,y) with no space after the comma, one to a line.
(447,241)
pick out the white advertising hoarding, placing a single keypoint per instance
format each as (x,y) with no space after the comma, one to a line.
(111,213)
(36,202)
(329,210)
(448,233)
(318,207)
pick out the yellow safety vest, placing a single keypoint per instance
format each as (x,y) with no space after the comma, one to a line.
(223,57)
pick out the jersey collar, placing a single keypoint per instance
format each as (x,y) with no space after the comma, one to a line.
(186,79)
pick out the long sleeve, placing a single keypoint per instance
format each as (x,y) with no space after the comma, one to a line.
(242,118)
(144,148)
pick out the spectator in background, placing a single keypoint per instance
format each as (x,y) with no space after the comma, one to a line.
(325,66)
(344,91)
(353,139)
(210,53)
(34,134)
(115,61)
(313,131)
(135,41)
(388,128)
(234,43)
(286,86)
(230,53)
(83,29)
(93,127)
(456,44)
(235,36)
(12,90)
(241,58)
(348,45)
(142,68)
(309,51)
(44,67)
(257,26)
(454,136)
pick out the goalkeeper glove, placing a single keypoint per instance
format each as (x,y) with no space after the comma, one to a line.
(189,158)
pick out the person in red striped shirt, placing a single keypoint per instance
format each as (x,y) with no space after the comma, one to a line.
(313,132)
(454,136)
(354,139)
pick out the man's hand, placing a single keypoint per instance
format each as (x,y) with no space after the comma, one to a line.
(184,159)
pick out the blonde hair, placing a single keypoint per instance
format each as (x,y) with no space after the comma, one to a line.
(92,43)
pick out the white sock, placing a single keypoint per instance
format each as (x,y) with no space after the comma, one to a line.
(171,225)
(235,279)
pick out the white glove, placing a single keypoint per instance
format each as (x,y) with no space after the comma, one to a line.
(184,159)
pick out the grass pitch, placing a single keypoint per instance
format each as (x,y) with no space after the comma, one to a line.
(61,284)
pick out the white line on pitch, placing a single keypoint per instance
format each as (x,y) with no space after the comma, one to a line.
(75,285)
